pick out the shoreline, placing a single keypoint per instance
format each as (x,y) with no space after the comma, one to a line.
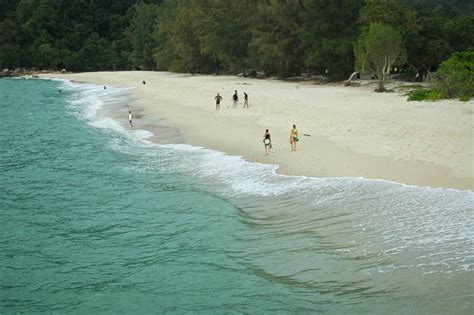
(350,148)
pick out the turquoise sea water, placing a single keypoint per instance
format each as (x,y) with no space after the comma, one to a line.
(96,219)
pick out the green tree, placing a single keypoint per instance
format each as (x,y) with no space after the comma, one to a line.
(377,50)
(389,12)
(275,45)
(186,39)
(426,41)
(202,35)
(95,55)
(10,50)
(141,35)
(455,76)
(460,32)
(164,50)
(62,29)
(224,33)
(327,33)
(45,56)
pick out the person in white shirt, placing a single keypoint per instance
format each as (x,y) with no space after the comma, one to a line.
(130,118)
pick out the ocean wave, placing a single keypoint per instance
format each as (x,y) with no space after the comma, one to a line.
(378,226)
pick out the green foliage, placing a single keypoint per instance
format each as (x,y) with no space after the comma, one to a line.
(377,50)
(389,12)
(424,95)
(455,76)
(426,40)
(283,38)
(460,32)
(10,50)
(464,98)
(275,45)
(73,34)
(327,33)
(186,40)
(164,50)
(448,8)
(141,36)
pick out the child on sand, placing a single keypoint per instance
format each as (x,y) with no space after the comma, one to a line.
(294,138)
(267,141)
(218,99)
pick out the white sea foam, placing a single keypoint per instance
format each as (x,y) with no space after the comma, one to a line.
(379,218)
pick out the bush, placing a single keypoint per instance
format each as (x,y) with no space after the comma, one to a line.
(455,76)
(424,95)
(464,98)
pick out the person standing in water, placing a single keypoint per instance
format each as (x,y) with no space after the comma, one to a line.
(130,118)
(294,138)
(246,100)
(235,98)
(218,99)
(267,141)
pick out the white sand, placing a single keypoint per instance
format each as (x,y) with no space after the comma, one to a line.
(354,131)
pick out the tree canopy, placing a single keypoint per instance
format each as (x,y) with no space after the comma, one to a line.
(282,38)
(377,50)
(455,76)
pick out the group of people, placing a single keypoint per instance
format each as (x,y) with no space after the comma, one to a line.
(267,137)
(235,100)
(267,140)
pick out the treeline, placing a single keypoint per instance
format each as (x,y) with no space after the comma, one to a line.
(281,37)
(81,35)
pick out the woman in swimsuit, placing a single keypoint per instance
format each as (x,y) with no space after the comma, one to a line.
(267,141)
(293,138)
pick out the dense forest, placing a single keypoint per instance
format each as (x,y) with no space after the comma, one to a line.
(281,37)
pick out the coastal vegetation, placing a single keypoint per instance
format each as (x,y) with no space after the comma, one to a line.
(454,79)
(455,76)
(280,38)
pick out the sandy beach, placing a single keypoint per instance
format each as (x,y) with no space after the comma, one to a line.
(350,131)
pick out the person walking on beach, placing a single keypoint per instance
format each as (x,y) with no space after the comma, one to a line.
(267,141)
(235,98)
(294,138)
(246,100)
(218,99)
(130,118)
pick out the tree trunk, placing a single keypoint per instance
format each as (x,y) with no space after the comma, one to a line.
(380,86)
(352,76)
